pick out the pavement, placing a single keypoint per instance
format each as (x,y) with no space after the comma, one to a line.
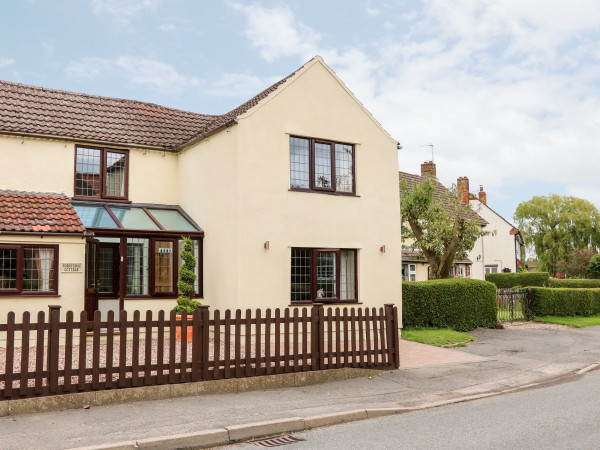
(500,361)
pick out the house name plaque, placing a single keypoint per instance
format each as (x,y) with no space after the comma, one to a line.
(71,267)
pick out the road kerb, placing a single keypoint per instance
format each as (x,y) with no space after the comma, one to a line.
(334,418)
(259,429)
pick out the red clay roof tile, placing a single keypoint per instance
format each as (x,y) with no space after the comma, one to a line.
(38,212)
(32,109)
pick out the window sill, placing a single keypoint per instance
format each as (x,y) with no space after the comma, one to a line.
(101,199)
(311,191)
(29,294)
(325,303)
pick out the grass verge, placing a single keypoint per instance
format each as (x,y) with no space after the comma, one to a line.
(438,337)
(571,321)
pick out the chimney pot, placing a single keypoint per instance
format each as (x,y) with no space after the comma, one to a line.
(482,195)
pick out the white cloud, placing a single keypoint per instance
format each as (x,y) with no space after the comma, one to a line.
(155,75)
(88,68)
(240,85)
(167,27)
(373,12)
(276,33)
(123,12)
(5,62)
(48,48)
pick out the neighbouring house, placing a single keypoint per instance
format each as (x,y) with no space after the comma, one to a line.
(502,246)
(414,265)
(290,199)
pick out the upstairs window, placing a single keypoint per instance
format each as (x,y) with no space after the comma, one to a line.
(101,173)
(322,166)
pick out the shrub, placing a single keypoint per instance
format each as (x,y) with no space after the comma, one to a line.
(594,267)
(573,283)
(562,302)
(460,304)
(526,279)
(187,276)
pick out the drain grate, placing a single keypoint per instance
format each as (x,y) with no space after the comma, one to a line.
(276,441)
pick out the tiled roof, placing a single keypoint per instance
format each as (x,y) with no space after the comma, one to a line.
(416,256)
(439,193)
(42,111)
(37,212)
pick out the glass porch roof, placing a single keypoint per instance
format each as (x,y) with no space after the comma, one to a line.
(134,217)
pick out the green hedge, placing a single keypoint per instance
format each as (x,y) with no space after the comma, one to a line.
(562,302)
(460,304)
(573,283)
(525,279)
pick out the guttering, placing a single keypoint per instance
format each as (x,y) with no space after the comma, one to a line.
(85,141)
(47,233)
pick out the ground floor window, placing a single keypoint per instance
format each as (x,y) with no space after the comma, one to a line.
(323,275)
(28,269)
(491,269)
(460,271)
(149,266)
(409,272)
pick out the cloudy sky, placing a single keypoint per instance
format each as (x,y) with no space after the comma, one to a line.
(508,92)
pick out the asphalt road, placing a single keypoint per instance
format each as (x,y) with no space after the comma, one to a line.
(561,416)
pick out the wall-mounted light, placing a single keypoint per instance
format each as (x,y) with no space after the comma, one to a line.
(382,249)
(266,245)
(478,257)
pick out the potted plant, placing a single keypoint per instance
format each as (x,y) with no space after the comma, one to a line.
(187,277)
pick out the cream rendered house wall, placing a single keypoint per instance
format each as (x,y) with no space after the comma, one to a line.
(499,244)
(313,104)
(477,256)
(70,285)
(209,193)
(45,165)
(48,166)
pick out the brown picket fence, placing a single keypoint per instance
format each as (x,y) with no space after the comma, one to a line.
(50,357)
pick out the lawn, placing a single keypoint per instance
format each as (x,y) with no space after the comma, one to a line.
(438,337)
(571,321)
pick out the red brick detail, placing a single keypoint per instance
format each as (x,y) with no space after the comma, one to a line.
(482,195)
(462,186)
(38,213)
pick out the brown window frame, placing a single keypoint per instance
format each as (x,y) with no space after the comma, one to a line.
(151,269)
(311,164)
(103,174)
(18,291)
(313,276)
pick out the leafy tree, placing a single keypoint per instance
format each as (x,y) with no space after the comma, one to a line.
(187,276)
(556,225)
(594,267)
(576,264)
(440,225)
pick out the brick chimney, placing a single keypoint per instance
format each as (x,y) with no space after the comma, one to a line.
(462,187)
(482,195)
(428,169)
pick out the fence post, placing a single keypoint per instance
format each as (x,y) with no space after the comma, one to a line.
(391,313)
(316,341)
(52,345)
(204,333)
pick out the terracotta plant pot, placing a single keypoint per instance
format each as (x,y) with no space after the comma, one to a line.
(190,330)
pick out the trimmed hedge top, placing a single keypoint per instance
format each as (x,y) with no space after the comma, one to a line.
(525,279)
(460,304)
(562,302)
(574,283)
